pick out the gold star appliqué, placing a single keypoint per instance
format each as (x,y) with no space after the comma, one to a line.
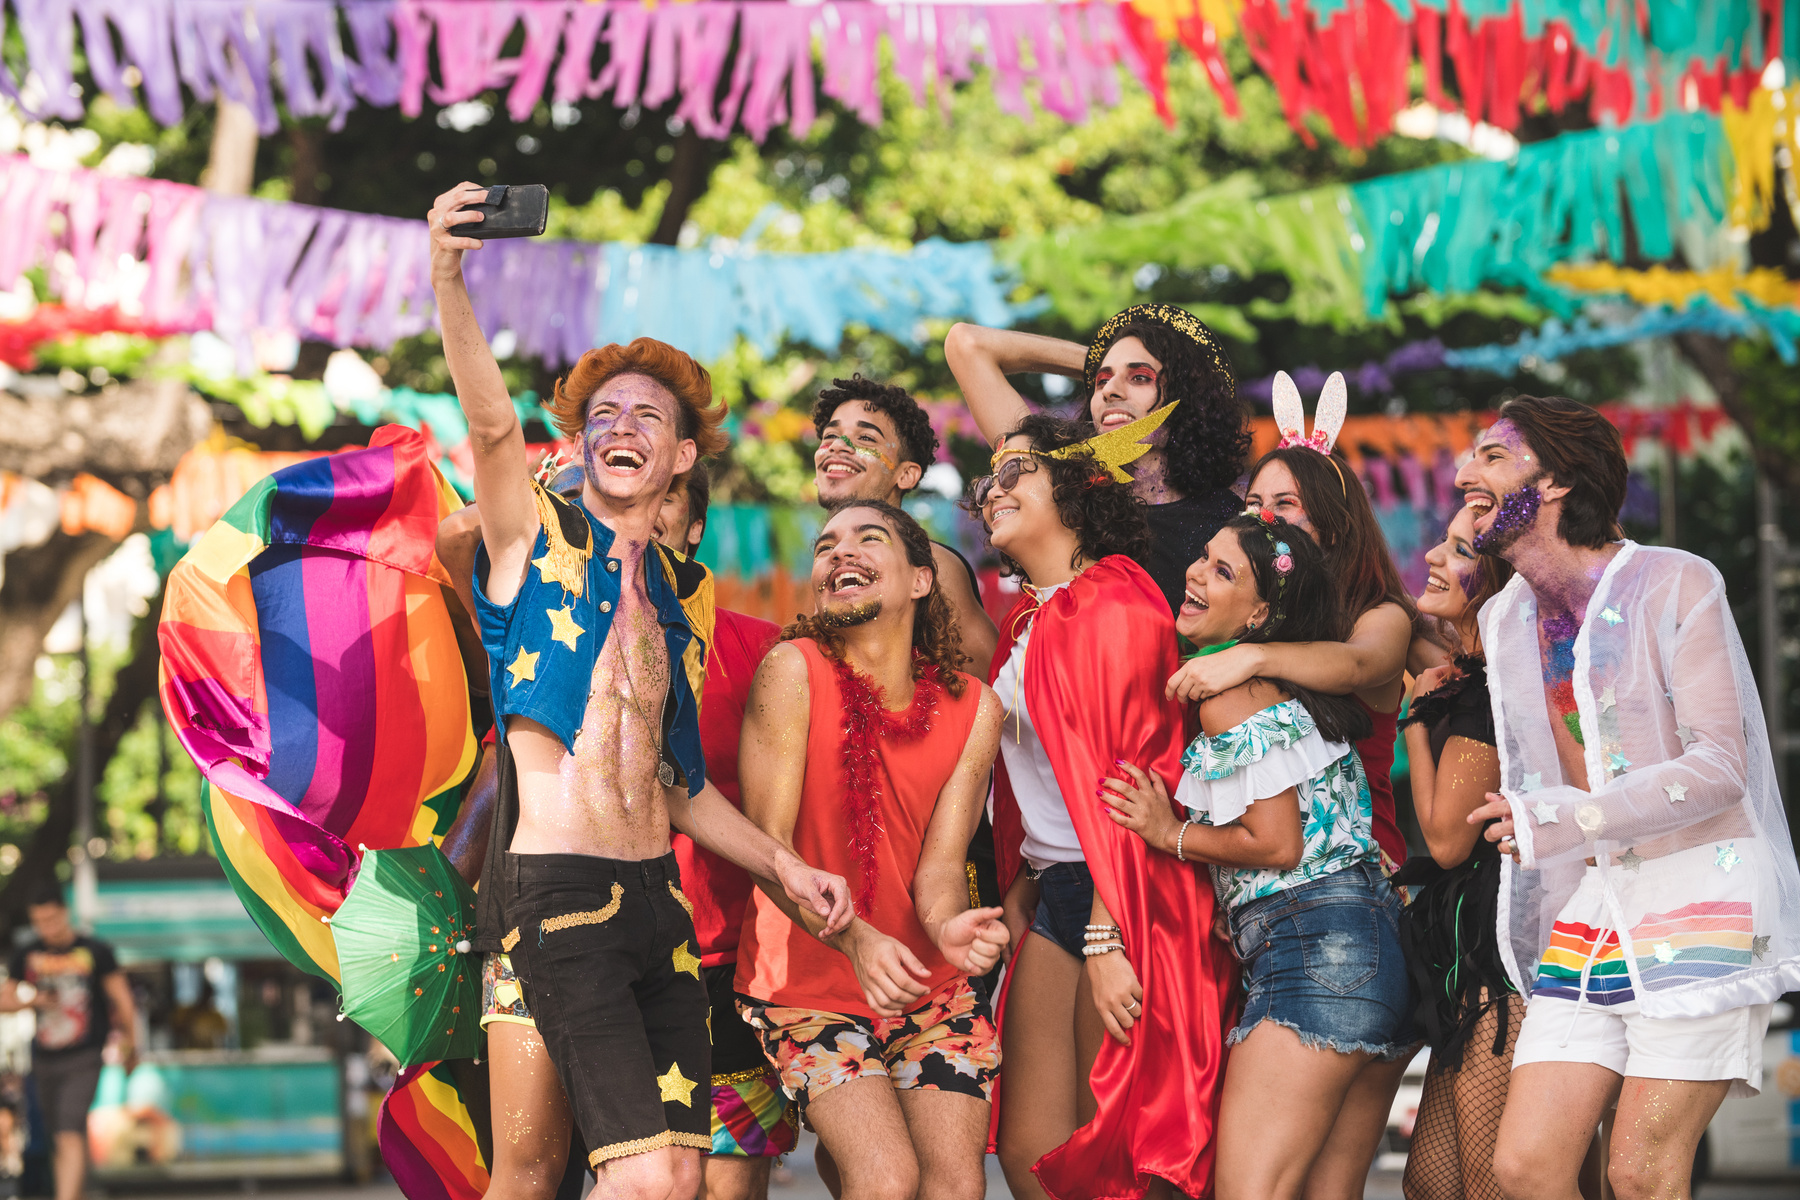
(685,960)
(676,1086)
(563,627)
(523,667)
(571,574)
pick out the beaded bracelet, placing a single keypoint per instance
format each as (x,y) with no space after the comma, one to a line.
(1092,928)
(1095,935)
(1104,948)
(1179,838)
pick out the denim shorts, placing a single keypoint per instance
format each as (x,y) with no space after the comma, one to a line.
(1324,960)
(1065,905)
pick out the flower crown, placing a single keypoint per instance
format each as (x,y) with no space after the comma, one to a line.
(1284,558)
(1328,417)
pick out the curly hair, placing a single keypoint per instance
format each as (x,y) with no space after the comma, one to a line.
(1304,606)
(1206,439)
(937,638)
(698,417)
(1583,452)
(1355,548)
(1103,514)
(918,441)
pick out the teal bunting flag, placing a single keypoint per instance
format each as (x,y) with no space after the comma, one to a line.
(1453,228)
(703,300)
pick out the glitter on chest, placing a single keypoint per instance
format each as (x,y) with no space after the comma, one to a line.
(613,768)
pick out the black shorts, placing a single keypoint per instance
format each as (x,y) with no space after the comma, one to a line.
(736,1050)
(607,959)
(66,1084)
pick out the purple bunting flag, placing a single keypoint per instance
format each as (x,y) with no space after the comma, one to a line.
(248,50)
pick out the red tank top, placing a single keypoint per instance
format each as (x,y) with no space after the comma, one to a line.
(1377,754)
(718,889)
(779,962)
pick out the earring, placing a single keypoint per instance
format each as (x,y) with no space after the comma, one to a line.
(1249,626)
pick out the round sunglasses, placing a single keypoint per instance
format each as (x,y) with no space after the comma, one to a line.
(1019,463)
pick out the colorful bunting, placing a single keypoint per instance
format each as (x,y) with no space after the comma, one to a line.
(1453,228)
(310,669)
(1347,60)
(259,268)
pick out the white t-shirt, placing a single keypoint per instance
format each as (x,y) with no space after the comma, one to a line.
(1049,833)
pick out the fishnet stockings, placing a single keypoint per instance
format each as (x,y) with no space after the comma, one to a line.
(1452,1155)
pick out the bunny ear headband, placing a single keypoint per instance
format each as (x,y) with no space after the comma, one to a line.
(1328,417)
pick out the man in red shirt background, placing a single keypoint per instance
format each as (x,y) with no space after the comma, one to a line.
(752,1121)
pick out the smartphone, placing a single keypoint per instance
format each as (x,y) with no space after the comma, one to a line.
(510,211)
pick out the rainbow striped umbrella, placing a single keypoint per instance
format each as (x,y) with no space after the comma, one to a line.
(310,667)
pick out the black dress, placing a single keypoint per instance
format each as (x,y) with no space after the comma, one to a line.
(1448,930)
(1179,532)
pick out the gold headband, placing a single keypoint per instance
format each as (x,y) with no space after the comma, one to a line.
(1167,315)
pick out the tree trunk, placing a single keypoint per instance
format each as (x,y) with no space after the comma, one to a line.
(134,685)
(231,162)
(687,183)
(1739,398)
(41,582)
(132,437)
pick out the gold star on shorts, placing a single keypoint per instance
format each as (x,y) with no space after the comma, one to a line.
(685,960)
(563,627)
(523,667)
(676,1086)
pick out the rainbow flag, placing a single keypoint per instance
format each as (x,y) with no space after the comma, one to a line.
(428,1137)
(310,667)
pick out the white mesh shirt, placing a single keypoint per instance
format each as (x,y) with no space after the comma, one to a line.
(1677,756)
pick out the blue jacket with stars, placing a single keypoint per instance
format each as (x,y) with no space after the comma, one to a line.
(543,644)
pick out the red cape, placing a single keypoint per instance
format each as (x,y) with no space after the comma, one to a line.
(1102,650)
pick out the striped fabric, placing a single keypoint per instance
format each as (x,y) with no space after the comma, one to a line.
(310,667)
(1559,974)
(751,1118)
(1707,940)
(428,1139)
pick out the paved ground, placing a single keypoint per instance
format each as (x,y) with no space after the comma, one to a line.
(801,1182)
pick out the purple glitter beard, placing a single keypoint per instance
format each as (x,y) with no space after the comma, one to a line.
(1518,512)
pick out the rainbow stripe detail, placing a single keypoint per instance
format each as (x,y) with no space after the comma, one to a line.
(752,1118)
(1571,944)
(1696,942)
(310,668)
(428,1138)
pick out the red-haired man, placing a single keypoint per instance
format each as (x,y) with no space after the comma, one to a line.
(596,639)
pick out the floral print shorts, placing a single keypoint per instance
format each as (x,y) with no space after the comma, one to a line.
(501,999)
(947,1044)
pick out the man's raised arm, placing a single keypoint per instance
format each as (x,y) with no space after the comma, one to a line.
(509,520)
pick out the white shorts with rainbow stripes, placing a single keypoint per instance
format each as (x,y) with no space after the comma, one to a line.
(1669,921)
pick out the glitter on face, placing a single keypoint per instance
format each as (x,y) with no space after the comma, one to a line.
(1517,513)
(631,412)
(848,616)
(861,451)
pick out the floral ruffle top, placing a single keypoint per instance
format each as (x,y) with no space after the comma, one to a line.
(1264,755)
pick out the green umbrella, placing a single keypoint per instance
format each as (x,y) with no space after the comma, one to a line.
(403,937)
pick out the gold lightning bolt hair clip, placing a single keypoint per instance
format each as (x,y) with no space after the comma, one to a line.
(1117,448)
